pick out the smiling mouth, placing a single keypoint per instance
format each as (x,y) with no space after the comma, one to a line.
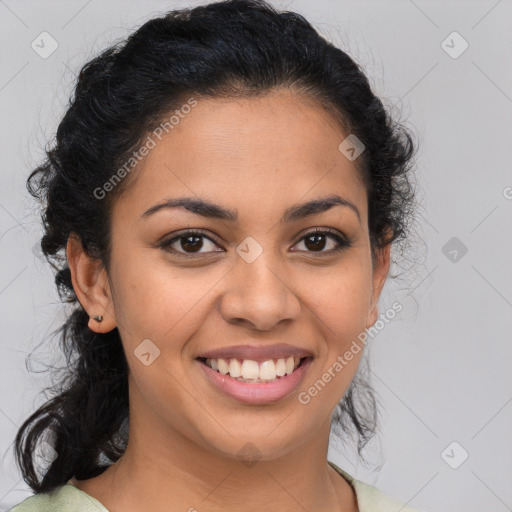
(250,371)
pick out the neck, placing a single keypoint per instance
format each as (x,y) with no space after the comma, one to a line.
(163,468)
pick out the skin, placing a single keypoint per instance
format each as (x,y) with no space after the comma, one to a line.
(184,433)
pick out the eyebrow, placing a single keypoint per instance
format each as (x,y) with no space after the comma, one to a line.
(213,211)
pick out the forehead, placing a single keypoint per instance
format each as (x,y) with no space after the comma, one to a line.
(281,147)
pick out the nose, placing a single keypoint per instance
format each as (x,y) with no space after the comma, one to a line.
(259,295)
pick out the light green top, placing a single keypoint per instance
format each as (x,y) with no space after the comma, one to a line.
(68,498)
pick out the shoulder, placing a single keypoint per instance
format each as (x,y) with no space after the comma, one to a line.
(65,498)
(370,499)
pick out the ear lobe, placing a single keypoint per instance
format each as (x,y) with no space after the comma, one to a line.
(90,282)
(379,276)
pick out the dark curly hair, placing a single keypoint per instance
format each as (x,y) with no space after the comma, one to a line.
(228,49)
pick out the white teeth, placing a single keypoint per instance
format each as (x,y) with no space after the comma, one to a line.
(267,370)
(281,367)
(223,366)
(235,369)
(247,369)
(250,370)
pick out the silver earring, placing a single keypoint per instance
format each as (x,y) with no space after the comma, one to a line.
(98,318)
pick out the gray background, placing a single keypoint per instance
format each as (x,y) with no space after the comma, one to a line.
(442,367)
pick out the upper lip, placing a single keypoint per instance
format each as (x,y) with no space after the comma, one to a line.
(258,353)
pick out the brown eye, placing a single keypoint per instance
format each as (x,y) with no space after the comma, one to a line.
(318,240)
(190,242)
(315,242)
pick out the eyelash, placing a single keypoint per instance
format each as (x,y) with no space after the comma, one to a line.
(342,242)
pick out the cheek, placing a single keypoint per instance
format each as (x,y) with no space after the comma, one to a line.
(341,307)
(155,303)
(342,299)
(163,303)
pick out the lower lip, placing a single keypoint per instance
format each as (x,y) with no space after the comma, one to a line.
(257,393)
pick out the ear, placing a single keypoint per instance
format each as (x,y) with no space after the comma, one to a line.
(90,282)
(380,274)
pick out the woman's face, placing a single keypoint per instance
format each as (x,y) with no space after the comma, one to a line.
(252,280)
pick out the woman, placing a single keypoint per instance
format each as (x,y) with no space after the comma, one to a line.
(221,200)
